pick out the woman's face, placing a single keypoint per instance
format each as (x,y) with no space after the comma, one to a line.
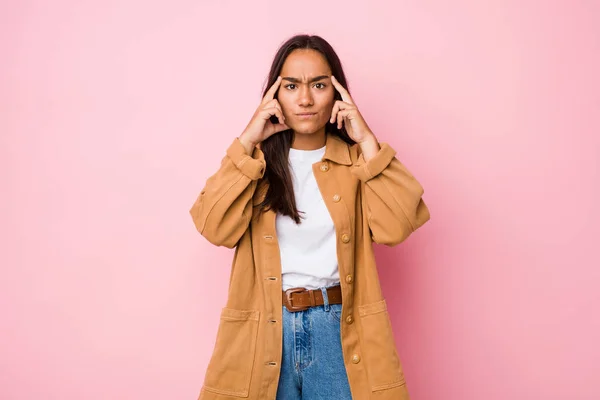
(306,94)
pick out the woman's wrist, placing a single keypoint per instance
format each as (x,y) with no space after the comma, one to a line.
(369,147)
(248,145)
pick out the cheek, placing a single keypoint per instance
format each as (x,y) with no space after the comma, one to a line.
(327,99)
(285,102)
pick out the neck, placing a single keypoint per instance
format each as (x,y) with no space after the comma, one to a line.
(313,141)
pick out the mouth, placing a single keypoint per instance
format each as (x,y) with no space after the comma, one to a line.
(306,115)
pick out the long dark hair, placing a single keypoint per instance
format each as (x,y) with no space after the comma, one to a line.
(280,193)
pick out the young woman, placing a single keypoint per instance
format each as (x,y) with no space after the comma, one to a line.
(301,195)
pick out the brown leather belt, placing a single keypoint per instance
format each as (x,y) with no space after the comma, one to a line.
(300,299)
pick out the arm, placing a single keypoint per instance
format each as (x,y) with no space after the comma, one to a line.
(223,210)
(391,195)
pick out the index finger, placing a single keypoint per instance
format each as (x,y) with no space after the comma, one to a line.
(270,95)
(345,95)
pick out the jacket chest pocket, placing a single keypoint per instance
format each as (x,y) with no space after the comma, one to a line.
(230,368)
(379,348)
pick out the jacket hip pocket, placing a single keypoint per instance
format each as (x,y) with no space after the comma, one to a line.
(230,368)
(384,369)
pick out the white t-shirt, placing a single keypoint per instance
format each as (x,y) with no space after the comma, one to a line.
(308,250)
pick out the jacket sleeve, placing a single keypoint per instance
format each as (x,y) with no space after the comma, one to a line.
(391,197)
(223,210)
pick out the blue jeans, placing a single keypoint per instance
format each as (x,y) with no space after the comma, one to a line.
(312,365)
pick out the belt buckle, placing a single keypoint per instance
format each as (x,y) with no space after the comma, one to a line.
(288,297)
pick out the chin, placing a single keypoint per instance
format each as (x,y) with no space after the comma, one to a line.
(306,129)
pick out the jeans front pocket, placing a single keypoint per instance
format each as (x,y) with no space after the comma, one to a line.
(336,311)
(230,368)
(379,347)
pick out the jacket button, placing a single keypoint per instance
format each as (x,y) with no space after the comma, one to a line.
(349,278)
(355,358)
(336,198)
(349,319)
(324,167)
(345,238)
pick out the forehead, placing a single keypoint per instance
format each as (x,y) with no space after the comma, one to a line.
(305,63)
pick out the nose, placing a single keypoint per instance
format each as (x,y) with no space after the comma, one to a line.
(305,98)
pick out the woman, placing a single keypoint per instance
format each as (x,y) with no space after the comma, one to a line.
(302,194)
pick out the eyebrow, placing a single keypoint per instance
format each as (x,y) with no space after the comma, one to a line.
(296,80)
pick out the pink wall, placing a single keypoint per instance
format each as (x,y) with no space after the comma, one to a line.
(113,114)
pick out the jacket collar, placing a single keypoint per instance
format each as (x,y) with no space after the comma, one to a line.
(337,150)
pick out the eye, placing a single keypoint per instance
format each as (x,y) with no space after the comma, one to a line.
(289,86)
(323,86)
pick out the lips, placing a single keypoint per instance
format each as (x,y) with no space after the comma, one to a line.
(306,116)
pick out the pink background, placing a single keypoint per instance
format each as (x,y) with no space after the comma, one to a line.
(114,113)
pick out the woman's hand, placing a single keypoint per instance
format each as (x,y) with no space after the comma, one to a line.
(345,112)
(260,127)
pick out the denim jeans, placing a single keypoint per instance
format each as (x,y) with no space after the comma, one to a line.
(312,365)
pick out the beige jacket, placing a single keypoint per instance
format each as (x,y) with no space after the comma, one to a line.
(377,201)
